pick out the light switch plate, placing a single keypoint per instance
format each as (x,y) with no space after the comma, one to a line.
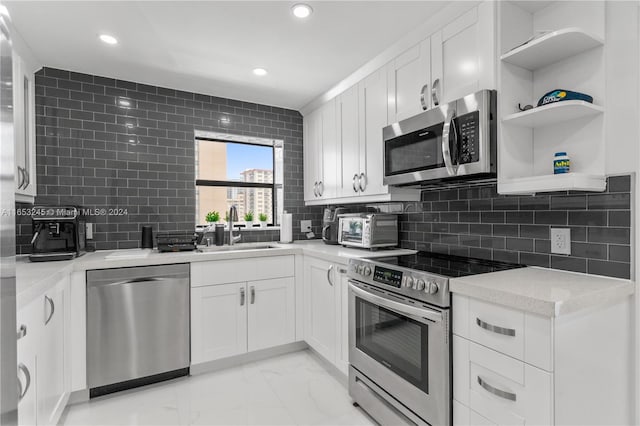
(561,240)
(305,226)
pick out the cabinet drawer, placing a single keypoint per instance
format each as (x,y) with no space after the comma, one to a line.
(497,327)
(499,388)
(241,270)
(521,335)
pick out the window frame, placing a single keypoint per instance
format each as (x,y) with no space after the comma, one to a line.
(244,140)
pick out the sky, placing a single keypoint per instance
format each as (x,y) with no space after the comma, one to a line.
(241,157)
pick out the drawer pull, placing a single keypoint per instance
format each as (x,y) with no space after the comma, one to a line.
(495,328)
(497,392)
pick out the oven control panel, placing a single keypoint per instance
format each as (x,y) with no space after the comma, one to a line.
(387,276)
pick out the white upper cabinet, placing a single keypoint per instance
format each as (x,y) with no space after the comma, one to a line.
(373,118)
(349,142)
(409,82)
(24,130)
(312,146)
(463,55)
(328,183)
(321,153)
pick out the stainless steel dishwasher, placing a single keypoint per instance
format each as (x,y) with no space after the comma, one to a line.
(137,326)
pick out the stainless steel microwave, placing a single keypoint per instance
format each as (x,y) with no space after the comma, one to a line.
(453,141)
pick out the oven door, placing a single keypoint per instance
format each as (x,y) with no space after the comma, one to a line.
(403,347)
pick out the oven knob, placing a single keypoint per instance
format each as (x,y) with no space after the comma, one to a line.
(408,282)
(433,288)
(360,269)
(420,284)
(367,271)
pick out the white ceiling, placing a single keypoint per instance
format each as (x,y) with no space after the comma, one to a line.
(211,47)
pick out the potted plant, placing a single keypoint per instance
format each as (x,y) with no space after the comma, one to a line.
(248,219)
(212,217)
(263,220)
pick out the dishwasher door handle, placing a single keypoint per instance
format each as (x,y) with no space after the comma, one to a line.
(130,281)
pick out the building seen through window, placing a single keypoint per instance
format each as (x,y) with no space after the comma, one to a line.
(242,174)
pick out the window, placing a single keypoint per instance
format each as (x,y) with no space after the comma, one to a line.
(241,171)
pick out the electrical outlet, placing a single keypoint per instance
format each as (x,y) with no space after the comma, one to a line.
(561,240)
(305,226)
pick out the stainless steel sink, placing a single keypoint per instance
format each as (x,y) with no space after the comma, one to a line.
(235,247)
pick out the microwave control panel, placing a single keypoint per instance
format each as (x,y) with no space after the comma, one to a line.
(387,276)
(469,136)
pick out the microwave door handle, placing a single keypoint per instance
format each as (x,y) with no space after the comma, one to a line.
(447,130)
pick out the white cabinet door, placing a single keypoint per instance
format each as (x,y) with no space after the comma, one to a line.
(312,146)
(29,319)
(320,302)
(373,118)
(271,313)
(218,322)
(409,76)
(349,142)
(24,130)
(342,355)
(463,54)
(50,365)
(328,180)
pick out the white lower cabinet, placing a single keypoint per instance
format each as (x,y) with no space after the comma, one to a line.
(218,322)
(326,310)
(512,367)
(229,319)
(271,312)
(320,308)
(42,368)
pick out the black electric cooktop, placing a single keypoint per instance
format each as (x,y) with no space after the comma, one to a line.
(446,265)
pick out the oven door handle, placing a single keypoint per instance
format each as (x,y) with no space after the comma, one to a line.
(398,307)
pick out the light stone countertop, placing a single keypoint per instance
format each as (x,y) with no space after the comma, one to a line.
(542,291)
(34,278)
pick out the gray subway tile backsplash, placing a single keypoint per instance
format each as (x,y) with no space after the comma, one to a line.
(85,156)
(517,228)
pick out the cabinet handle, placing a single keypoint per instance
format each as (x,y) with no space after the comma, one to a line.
(495,328)
(362,177)
(423,98)
(329,274)
(242,296)
(28,178)
(435,89)
(22,392)
(355,188)
(53,309)
(22,177)
(320,188)
(253,295)
(22,331)
(497,392)
(315,189)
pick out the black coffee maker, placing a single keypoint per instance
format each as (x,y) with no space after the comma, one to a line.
(58,233)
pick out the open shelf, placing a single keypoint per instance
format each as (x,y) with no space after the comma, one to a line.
(552,183)
(554,113)
(551,48)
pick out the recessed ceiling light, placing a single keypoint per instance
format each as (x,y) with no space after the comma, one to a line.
(301,10)
(260,71)
(106,38)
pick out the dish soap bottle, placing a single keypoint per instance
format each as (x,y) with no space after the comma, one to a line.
(561,163)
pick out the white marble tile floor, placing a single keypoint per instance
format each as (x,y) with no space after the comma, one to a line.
(292,389)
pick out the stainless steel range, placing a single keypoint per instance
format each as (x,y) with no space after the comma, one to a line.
(400,335)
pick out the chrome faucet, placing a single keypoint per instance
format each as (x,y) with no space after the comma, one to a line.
(233,217)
